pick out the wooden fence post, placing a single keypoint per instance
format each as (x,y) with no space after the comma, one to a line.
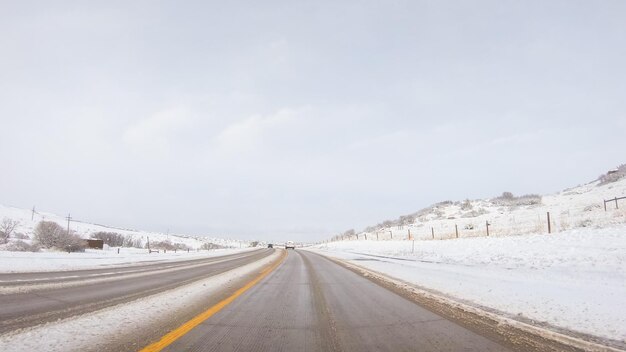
(549,225)
(432,231)
(487,225)
(456,230)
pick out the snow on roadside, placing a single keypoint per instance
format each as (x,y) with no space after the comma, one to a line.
(575,279)
(99,327)
(11,262)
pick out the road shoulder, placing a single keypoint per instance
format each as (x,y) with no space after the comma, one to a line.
(517,335)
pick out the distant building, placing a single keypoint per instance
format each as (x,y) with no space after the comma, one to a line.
(96,244)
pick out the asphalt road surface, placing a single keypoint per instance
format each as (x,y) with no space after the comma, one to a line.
(69,293)
(312,304)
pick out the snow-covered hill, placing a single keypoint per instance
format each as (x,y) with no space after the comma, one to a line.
(28,220)
(577,207)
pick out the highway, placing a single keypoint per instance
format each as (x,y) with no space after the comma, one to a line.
(45,297)
(312,304)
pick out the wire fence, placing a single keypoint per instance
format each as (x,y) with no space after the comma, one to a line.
(507,222)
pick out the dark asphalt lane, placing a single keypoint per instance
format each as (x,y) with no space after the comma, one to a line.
(19,310)
(312,304)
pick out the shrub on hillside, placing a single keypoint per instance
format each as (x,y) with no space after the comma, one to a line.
(21,246)
(114,239)
(613,175)
(210,245)
(111,239)
(474,213)
(168,245)
(508,199)
(129,241)
(49,234)
(466,205)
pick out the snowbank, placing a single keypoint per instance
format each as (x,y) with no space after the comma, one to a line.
(574,279)
(11,262)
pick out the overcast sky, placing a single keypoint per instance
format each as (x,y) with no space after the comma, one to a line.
(297,120)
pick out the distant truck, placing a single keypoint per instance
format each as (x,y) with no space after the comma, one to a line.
(290,244)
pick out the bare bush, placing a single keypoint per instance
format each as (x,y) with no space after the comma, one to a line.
(49,234)
(254,243)
(210,245)
(466,205)
(6,229)
(613,175)
(593,207)
(166,245)
(21,236)
(129,241)
(474,213)
(406,220)
(169,246)
(111,239)
(508,199)
(21,246)
(114,239)
(370,229)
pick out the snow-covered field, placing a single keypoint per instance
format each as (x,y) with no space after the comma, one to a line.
(575,279)
(93,258)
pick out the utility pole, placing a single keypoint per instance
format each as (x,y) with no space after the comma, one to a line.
(69,217)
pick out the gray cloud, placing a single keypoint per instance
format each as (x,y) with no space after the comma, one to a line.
(281,120)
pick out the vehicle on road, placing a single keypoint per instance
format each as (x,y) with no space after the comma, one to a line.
(269,245)
(290,244)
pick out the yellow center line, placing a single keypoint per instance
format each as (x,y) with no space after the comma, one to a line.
(177,333)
